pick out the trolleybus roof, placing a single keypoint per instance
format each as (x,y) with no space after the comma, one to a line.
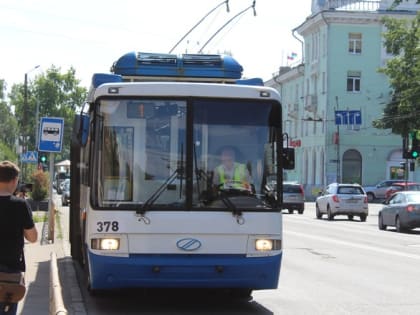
(186,65)
(168,67)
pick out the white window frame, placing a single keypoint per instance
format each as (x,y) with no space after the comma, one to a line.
(354,81)
(355,43)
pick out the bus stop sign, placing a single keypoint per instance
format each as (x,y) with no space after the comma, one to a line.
(51,134)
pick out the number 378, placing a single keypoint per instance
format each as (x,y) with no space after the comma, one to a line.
(106,226)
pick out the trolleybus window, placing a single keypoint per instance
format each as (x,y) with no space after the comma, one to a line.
(117,162)
(142,148)
(244,128)
(144,160)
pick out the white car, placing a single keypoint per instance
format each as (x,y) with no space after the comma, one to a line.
(342,199)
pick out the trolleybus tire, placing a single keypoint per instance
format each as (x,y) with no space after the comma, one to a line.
(242,294)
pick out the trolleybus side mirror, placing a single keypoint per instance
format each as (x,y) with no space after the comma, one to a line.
(288,158)
(82,124)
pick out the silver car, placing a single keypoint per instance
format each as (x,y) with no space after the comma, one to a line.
(378,191)
(342,199)
(65,196)
(402,210)
(293,197)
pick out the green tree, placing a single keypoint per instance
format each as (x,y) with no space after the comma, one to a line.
(6,153)
(50,94)
(402,39)
(8,128)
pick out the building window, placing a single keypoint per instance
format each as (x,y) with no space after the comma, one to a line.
(352,167)
(355,43)
(353,81)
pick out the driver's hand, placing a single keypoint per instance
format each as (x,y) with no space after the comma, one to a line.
(241,185)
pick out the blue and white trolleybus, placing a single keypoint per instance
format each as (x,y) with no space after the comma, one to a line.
(154,204)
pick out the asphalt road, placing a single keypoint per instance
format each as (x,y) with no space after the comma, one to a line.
(329,267)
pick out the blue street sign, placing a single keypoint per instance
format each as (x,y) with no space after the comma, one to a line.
(51,134)
(341,117)
(29,157)
(348,117)
(355,117)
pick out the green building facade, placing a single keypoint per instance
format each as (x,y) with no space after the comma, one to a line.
(331,96)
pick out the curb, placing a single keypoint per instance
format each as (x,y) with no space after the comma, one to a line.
(70,301)
(74,303)
(56,299)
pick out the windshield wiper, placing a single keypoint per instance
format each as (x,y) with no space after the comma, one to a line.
(231,206)
(152,199)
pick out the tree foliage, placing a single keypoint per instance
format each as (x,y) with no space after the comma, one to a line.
(402,39)
(6,153)
(50,94)
(8,127)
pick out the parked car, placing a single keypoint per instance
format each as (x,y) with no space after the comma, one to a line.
(342,199)
(293,197)
(60,186)
(59,179)
(65,196)
(400,187)
(401,210)
(378,191)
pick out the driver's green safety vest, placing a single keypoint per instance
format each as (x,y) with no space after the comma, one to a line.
(239,174)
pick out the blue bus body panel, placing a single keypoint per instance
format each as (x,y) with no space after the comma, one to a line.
(186,271)
(253,81)
(101,78)
(187,65)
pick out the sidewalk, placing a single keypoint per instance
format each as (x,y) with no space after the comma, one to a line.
(37,276)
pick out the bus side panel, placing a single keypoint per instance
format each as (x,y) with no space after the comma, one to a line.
(74,219)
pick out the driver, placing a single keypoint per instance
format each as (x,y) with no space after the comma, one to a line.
(231,174)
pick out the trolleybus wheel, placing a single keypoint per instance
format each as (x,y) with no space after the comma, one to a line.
(242,294)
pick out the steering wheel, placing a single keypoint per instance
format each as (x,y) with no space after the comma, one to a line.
(235,185)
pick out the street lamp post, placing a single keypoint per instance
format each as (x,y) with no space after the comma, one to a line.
(25,102)
(25,110)
(37,125)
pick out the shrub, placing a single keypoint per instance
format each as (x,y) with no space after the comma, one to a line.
(40,186)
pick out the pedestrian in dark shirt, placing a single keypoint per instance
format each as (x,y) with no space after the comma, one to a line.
(16,223)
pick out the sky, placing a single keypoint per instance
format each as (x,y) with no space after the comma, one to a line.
(90,35)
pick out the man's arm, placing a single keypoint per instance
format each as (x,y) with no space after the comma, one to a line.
(31,235)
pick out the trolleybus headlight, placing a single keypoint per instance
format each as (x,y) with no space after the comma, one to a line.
(267,244)
(106,243)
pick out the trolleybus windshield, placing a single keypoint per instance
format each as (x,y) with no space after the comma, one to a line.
(168,153)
